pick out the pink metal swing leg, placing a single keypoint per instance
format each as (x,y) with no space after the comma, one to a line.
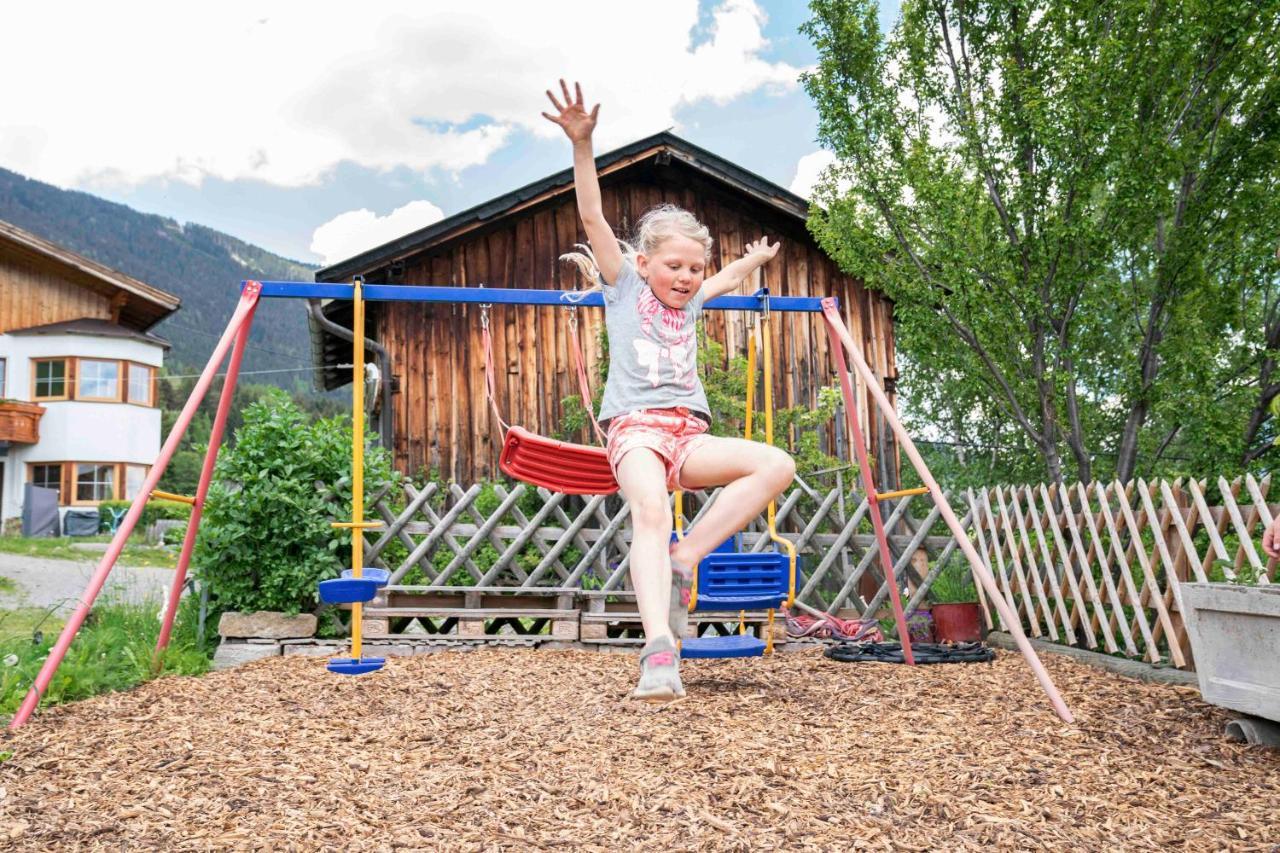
(244,311)
(202,490)
(835,325)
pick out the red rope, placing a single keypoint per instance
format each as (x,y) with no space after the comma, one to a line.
(583,387)
(489,385)
(828,626)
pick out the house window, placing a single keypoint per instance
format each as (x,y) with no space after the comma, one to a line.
(50,379)
(95,482)
(48,477)
(4,364)
(99,380)
(140,376)
(134,477)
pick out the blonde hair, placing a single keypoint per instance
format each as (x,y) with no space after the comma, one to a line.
(655,227)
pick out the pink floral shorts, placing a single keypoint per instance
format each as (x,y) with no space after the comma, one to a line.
(671,433)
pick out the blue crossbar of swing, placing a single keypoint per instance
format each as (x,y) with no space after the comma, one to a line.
(507,296)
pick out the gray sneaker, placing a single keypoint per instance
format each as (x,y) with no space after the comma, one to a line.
(659,672)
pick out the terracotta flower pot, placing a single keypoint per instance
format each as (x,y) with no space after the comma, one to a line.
(957,623)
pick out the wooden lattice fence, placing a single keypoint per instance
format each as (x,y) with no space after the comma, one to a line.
(1100,566)
(545,540)
(1093,565)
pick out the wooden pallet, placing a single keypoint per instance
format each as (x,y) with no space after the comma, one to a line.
(472,612)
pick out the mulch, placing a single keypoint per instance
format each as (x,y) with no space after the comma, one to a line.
(514,749)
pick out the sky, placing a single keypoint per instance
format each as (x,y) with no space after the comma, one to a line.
(323,129)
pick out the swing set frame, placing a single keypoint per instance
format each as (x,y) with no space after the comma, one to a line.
(236,335)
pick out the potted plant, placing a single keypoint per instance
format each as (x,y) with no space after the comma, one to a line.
(957,618)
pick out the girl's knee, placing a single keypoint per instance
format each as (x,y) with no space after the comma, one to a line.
(782,467)
(651,513)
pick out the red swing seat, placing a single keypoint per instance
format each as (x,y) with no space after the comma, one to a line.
(575,469)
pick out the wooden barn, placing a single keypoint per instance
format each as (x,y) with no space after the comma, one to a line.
(435,415)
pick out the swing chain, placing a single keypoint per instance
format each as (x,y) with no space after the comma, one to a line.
(484,313)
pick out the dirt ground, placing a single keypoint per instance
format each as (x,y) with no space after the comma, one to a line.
(517,749)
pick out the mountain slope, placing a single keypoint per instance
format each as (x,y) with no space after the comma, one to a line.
(202,266)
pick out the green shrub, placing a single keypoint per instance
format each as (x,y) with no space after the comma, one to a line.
(154,511)
(265,539)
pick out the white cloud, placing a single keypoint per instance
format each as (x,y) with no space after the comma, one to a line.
(283,92)
(810,170)
(348,234)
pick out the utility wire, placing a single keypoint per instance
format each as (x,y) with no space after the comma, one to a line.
(258,372)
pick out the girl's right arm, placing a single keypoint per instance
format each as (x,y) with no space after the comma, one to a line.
(578,125)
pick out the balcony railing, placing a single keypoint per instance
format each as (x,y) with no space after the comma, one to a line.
(20,422)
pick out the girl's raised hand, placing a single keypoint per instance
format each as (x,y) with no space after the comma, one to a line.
(573,117)
(762,251)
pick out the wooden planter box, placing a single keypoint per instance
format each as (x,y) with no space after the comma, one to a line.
(20,422)
(1235,638)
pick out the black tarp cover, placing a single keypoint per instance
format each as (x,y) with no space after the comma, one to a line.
(39,511)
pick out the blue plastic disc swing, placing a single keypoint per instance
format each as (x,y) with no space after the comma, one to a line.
(354,666)
(378,576)
(349,589)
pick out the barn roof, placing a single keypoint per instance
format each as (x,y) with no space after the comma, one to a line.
(662,147)
(142,306)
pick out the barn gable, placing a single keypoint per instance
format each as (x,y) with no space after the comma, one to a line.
(438,416)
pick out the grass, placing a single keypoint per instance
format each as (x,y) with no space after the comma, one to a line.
(112,651)
(136,552)
(24,622)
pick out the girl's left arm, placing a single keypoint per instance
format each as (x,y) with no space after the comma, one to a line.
(759,253)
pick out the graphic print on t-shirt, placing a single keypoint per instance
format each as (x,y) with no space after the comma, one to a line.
(668,339)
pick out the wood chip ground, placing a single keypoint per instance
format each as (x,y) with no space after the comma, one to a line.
(512,749)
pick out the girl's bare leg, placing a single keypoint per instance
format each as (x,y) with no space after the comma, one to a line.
(752,475)
(642,477)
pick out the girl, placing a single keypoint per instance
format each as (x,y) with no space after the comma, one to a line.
(654,405)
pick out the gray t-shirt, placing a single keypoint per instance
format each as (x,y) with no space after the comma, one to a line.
(653,350)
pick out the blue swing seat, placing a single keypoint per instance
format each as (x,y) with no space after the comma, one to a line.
(742,581)
(728,580)
(734,646)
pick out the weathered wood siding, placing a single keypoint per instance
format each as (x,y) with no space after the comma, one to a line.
(442,421)
(34,292)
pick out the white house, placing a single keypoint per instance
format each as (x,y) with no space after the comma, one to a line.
(78,405)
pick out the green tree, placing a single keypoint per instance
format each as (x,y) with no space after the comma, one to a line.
(1066,202)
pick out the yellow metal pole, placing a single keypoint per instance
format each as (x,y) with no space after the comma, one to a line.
(767,346)
(357,461)
(751,382)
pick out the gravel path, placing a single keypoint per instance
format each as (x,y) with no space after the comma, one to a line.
(60,583)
